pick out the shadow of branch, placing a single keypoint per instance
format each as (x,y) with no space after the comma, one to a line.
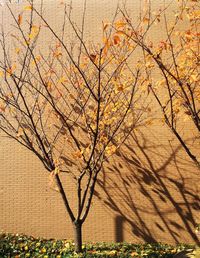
(157,197)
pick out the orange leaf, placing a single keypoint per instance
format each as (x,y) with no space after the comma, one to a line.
(116,40)
(2,108)
(57,54)
(19,19)
(9,70)
(120,88)
(145,20)
(78,154)
(105,25)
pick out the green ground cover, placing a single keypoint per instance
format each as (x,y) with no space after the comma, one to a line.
(24,246)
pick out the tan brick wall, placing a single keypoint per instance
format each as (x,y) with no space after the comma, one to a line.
(148,192)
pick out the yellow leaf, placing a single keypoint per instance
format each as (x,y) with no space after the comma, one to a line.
(62,79)
(112,252)
(196,14)
(110,150)
(56,171)
(17,50)
(35,28)
(120,24)
(28,8)
(38,58)
(1,73)
(49,85)
(149,65)
(145,20)
(20,132)
(34,32)
(33,63)
(194,77)
(67,245)
(78,154)
(44,250)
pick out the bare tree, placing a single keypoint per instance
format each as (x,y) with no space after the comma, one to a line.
(73,105)
(176,60)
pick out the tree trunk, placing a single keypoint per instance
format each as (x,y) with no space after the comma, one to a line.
(78,236)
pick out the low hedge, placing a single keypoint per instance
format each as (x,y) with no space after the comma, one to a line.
(21,246)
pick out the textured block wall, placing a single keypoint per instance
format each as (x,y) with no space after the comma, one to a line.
(147,192)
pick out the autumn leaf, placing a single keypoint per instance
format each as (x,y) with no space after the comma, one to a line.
(120,24)
(20,132)
(163,45)
(133,254)
(2,108)
(112,252)
(196,14)
(120,88)
(34,28)
(11,69)
(17,50)
(38,58)
(105,26)
(62,79)
(57,53)
(78,154)
(145,20)
(116,39)
(93,57)
(194,77)
(106,47)
(34,32)
(19,20)
(28,8)
(49,85)
(149,64)
(110,150)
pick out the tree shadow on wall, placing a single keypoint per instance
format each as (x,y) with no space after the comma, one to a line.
(158,199)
